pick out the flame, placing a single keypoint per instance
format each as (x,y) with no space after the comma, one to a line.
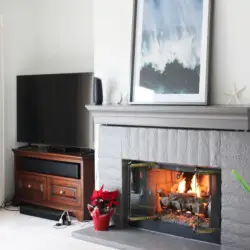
(195,187)
(182,186)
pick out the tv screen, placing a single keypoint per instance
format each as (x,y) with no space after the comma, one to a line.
(51,109)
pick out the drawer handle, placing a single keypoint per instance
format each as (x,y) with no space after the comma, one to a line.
(41,188)
(29,186)
(61,192)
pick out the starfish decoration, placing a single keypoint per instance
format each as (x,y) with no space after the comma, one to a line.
(234,94)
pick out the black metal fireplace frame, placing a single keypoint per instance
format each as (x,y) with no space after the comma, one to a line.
(212,236)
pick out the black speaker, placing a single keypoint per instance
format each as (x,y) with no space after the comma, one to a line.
(97,91)
(64,169)
(42,212)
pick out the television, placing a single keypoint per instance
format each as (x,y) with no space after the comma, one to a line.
(51,109)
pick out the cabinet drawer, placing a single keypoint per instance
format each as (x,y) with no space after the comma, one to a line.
(64,192)
(31,187)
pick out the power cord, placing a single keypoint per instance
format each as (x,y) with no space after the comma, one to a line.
(84,223)
(9,208)
(7,205)
(64,221)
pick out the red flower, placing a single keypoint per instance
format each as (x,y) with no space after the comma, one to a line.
(104,195)
(104,199)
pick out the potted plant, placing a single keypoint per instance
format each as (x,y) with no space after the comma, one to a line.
(101,207)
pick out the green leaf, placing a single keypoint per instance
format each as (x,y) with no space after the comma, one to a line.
(240,179)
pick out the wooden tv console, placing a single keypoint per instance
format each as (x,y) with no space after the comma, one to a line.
(40,180)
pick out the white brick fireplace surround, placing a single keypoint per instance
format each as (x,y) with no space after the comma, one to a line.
(204,136)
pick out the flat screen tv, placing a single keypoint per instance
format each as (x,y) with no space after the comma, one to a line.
(51,109)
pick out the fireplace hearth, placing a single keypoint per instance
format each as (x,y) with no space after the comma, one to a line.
(175,199)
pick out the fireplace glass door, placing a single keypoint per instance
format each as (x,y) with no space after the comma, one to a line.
(179,197)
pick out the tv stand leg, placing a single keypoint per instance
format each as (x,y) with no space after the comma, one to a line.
(79,215)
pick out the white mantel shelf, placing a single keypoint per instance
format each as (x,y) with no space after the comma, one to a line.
(199,117)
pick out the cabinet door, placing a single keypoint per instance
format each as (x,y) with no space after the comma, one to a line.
(31,187)
(64,192)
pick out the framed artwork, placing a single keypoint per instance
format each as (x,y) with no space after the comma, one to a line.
(170,52)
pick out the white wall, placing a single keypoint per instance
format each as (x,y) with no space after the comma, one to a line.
(229,55)
(112,45)
(2,186)
(48,36)
(52,36)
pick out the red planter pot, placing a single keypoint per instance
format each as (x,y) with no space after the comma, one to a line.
(101,221)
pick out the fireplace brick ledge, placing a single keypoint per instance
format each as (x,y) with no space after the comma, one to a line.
(200,117)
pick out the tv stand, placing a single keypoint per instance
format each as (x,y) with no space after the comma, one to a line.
(55,180)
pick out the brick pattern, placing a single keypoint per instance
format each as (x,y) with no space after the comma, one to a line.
(224,149)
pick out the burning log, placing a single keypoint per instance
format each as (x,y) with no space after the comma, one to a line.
(185,186)
(185,202)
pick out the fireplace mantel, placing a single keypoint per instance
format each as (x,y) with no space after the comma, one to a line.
(199,117)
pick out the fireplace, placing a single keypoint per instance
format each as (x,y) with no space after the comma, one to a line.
(213,136)
(175,199)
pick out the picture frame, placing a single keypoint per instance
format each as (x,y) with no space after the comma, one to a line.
(170,52)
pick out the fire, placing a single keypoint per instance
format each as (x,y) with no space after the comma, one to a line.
(182,186)
(195,187)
